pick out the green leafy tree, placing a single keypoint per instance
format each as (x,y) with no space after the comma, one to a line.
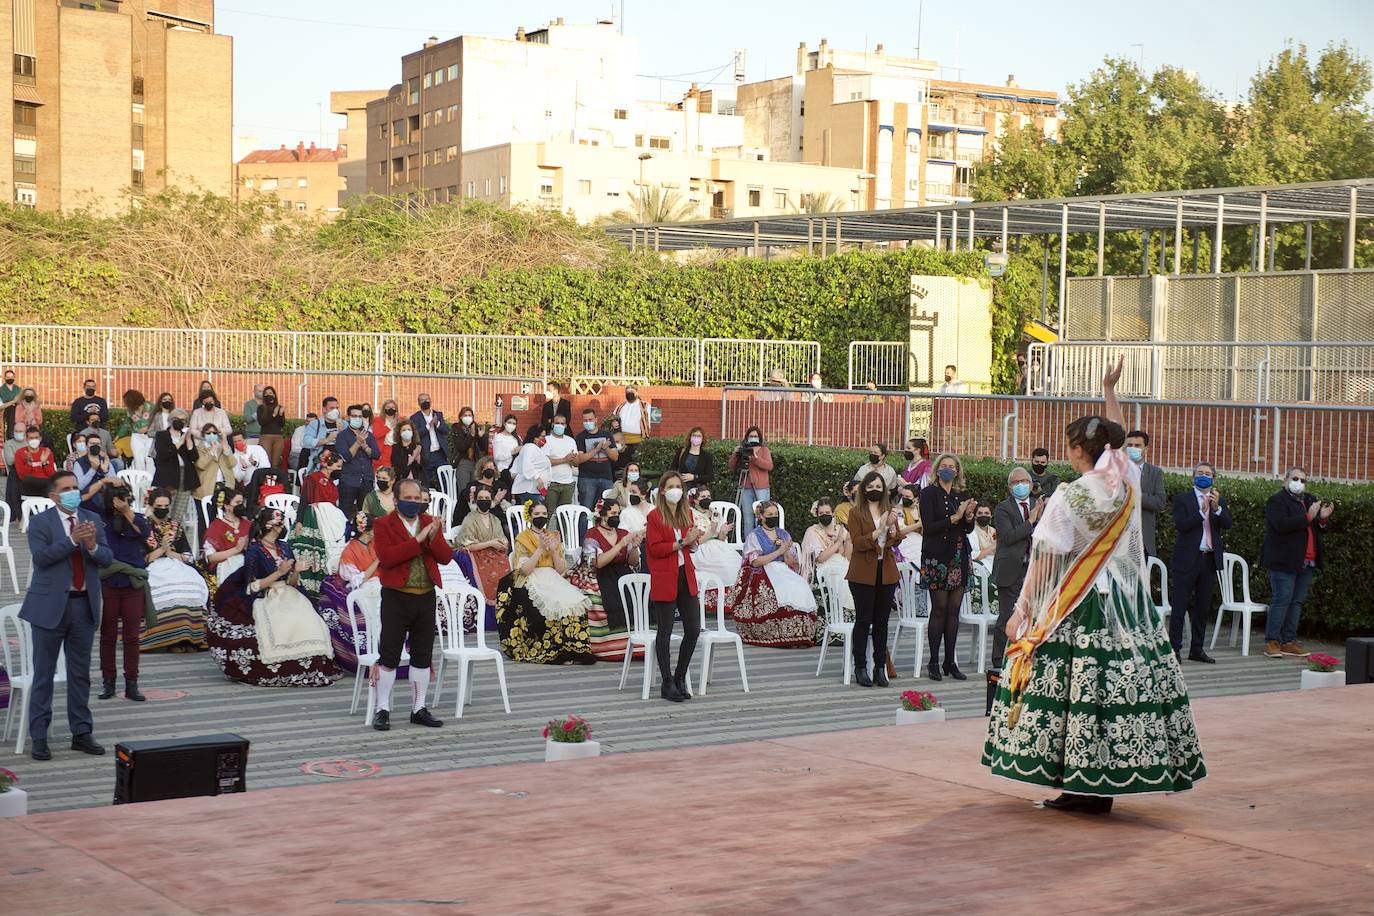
(654,204)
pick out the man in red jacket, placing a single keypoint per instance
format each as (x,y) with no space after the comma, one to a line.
(410,549)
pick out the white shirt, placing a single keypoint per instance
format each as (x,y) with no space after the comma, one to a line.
(503,449)
(531,469)
(954,387)
(631,418)
(1206,542)
(412,524)
(633,519)
(249,461)
(433,435)
(560,447)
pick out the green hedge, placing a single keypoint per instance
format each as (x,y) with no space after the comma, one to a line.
(1334,607)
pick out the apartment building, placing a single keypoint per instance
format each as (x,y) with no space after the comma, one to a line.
(303,179)
(352,143)
(920,138)
(114,96)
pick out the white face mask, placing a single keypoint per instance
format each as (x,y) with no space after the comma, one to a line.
(673,495)
(405,435)
(510,428)
(1296,487)
(467,421)
(333,414)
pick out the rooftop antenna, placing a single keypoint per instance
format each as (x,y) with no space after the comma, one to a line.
(622,17)
(920,15)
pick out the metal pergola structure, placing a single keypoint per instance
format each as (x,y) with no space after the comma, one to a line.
(959,225)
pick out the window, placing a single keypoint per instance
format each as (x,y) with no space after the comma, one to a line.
(452,153)
(913,185)
(452,112)
(639,139)
(612,187)
(302,183)
(24,67)
(452,72)
(381,169)
(414,122)
(269,184)
(780,198)
(545,185)
(755,197)
(472,189)
(486,187)
(25,168)
(620,114)
(398,132)
(660,143)
(501,185)
(584,186)
(429,119)
(429,80)
(414,85)
(413,161)
(439,77)
(25,115)
(300,206)
(398,168)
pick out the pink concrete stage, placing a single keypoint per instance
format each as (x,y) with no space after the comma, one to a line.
(886,820)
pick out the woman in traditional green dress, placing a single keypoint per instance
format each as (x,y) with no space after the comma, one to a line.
(1092,699)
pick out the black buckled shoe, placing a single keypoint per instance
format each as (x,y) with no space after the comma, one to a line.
(40,750)
(86,745)
(680,683)
(861,676)
(107,688)
(1197,655)
(424,717)
(381,720)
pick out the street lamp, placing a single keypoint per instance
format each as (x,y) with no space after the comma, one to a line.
(642,158)
(869,176)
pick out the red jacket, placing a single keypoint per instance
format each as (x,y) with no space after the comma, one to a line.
(396,547)
(25,463)
(662,560)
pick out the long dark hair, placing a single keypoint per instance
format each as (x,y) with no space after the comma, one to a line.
(1093,434)
(264,518)
(886,502)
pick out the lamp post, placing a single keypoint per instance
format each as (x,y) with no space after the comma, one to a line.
(642,158)
(869,176)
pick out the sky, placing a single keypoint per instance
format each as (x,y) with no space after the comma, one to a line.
(290,54)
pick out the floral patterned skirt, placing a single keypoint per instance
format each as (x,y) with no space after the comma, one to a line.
(761,621)
(528,636)
(1103,714)
(233,642)
(937,575)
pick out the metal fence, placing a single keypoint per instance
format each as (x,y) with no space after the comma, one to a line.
(660,360)
(1250,439)
(885,364)
(1271,373)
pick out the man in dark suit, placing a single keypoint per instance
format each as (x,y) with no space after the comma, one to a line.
(62,606)
(1200,523)
(1152,497)
(433,430)
(1014,518)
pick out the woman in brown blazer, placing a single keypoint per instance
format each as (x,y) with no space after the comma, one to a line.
(873,529)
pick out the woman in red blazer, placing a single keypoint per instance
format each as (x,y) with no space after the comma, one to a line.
(671,538)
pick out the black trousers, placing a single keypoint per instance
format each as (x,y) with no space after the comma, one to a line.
(351,496)
(1006,606)
(406,616)
(688,607)
(1191,593)
(872,607)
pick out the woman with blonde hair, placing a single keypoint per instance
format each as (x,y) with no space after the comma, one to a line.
(671,540)
(947,513)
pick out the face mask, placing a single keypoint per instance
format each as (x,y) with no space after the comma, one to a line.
(269,399)
(19,435)
(389,411)
(424,405)
(1039,469)
(1202,481)
(483,505)
(1296,487)
(9,380)
(558,429)
(383,485)
(613,522)
(355,422)
(770,522)
(946,474)
(94,450)
(695,440)
(28,399)
(70,499)
(1135,453)
(589,425)
(406,435)
(873,495)
(178,425)
(81,447)
(984,521)
(825,520)
(551,395)
(333,414)
(1020,490)
(488,474)
(752,440)
(632,476)
(238,511)
(635,500)
(630,397)
(409,508)
(540,521)
(908,500)
(704,502)
(875,459)
(167,405)
(510,428)
(90,390)
(34,443)
(909,455)
(211,439)
(673,495)
(208,405)
(466,420)
(162,511)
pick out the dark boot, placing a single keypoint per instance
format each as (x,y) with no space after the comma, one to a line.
(861,673)
(933,670)
(879,673)
(669,691)
(680,682)
(131,690)
(953,671)
(107,687)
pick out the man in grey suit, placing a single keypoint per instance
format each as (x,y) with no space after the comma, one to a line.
(1014,518)
(62,607)
(1152,498)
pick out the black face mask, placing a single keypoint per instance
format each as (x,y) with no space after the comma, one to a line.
(162,511)
(178,425)
(483,505)
(90,390)
(908,500)
(383,486)
(873,495)
(631,397)
(909,455)
(825,519)
(390,411)
(540,521)
(238,511)
(488,474)
(770,522)
(208,405)
(613,522)
(875,459)
(984,521)
(1040,468)
(704,502)
(167,405)
(93,451)
(28,399)
(635,500)
(269,399)
(9,380)
(424,405)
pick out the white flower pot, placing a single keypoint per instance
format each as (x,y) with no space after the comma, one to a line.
(14,803)
(1311,680)
(562,750)
(917,716)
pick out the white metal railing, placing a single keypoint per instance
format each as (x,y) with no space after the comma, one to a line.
(1285,372)
(1240,438)
(661,360)
(883,364)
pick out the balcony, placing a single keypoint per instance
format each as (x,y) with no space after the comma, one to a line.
(722,213)
(948,189)
(550,201)
(947,114)
(137,90)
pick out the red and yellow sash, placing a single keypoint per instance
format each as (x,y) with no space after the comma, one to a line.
(1077,581)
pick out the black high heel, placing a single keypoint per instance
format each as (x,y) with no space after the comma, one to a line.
(933,670)
(669,691)
(953,671)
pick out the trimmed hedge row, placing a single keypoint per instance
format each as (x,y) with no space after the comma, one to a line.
(1336,607)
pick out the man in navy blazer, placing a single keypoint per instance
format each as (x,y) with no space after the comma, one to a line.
(433,430)
(1200,523)
(62,606)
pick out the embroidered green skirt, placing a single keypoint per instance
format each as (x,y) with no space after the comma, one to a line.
(1103,714)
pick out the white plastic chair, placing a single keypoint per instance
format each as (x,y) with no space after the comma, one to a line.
(18,659)
(285,503)
(454,645)
(5,549)
(782,513)
(366,657)
(300,479)
(29,506)
(448,482)
(441,507)
(1157,566)
(710,638)
(634,595)
(729,512)
(970,613)
(139,482)
(365,647)
(835,625)
(567,518)
(515,520)
(1243,607)
(207,509)
(906,614)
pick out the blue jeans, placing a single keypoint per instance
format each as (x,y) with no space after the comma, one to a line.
(76,633)
(1285,604)
(747,497)
(589,490)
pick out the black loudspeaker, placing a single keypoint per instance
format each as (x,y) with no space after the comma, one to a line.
(180,768)
(1359,660)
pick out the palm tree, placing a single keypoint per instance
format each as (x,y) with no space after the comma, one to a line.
(654,204)
(824,202)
